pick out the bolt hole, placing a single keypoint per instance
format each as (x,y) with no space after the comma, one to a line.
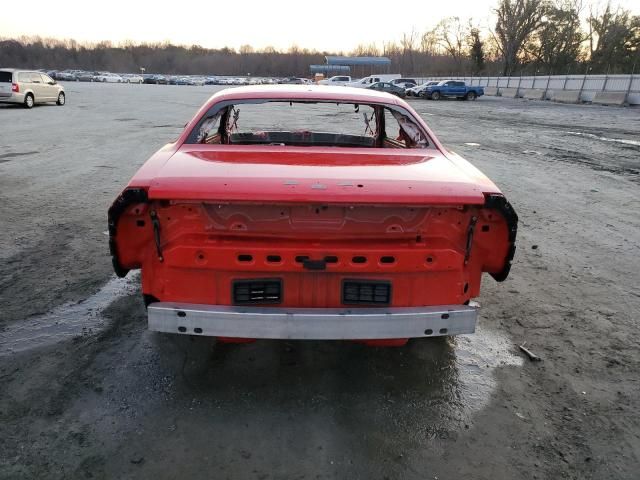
(331,259)
(485,228)
(182,329)
(140,223)
(388,259)
(428,331)
(443,331)
(360,185)
(245,258)
(274,258)
(301,258)
(429,259)
(197,330)
(182,314)
(444,316)
(466,288)
(359,259)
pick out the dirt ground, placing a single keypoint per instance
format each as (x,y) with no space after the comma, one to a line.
(87,392)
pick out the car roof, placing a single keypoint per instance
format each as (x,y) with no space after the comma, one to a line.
(19,70)
(305,92)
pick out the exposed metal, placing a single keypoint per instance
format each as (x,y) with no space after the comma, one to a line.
(312,324)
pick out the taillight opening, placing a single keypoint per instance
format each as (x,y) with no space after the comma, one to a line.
(15,87)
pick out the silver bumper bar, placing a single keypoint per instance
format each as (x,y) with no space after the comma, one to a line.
(312,323)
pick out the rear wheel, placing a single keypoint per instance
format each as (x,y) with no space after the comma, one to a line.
(435,95)
(28,100)
(61,99)
(470,96)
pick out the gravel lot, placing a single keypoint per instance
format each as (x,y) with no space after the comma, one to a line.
(87,392)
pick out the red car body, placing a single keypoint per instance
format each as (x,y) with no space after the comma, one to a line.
(312,233)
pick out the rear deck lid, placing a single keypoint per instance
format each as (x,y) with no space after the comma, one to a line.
(314,174)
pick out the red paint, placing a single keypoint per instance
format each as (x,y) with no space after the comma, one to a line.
(215,202)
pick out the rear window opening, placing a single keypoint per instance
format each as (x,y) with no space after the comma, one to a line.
(309,123)
(6,77)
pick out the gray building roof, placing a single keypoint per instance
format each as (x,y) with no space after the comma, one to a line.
(338,60)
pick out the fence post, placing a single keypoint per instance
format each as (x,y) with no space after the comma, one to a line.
(546,89)
(584,79)
(498,85)
(566,78)
(606,79)
(519,82)
(633,70)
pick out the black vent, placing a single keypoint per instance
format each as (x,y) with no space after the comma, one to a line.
(370,292)
(251,292)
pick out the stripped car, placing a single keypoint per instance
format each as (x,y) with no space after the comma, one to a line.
(307,212)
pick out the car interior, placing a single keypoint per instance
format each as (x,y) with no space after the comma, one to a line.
(325,124)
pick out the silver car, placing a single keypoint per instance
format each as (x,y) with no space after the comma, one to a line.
(29,87)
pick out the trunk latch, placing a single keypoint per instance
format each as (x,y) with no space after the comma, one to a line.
(314,264)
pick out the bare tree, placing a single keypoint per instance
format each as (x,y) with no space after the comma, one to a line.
(614,38)
(452,35)
(517,21)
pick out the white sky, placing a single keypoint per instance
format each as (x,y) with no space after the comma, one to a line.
(330,25)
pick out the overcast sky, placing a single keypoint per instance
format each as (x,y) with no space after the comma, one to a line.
(321,24)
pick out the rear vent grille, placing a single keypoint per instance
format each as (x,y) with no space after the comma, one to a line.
(251,292)
(370,292)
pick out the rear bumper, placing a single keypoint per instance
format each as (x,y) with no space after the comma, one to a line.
(312,323)
(12,98)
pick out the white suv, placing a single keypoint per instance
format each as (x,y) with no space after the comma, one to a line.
(29,87)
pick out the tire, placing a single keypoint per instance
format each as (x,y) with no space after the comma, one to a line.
(29,101)
(470,96)
(435,95)
(104,80)
(61,99)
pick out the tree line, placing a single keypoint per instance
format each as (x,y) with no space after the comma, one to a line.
(528,37)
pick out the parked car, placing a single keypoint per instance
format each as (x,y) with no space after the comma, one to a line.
(404,82)
(453,88)
(108,78)
(278,213)
(29,88)
(418,90)
(132,78)
(66,76)
(371,79)
(85,76)
(387,87)
(156,79)
(336,80)
(292,81)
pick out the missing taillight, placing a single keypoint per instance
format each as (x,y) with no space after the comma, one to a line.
(258,291)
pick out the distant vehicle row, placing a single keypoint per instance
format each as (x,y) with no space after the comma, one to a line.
(403,87)
(159,79)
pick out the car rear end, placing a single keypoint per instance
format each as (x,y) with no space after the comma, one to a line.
(10,91)
(300,241)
